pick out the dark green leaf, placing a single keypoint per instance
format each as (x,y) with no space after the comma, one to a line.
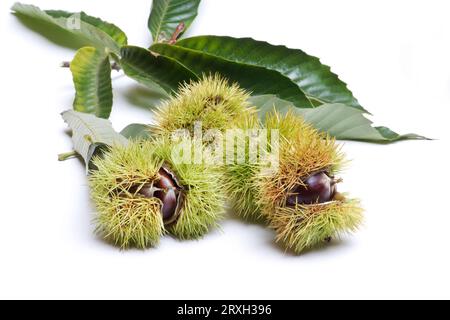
(91,71)
(90,132)
(154,70)
(136,131)
(340,121)
(255,79)
(167,14)
(315,79)
(93,30)
(394,136)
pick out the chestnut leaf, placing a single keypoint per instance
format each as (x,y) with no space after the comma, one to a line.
(90,133)
(90,30)
(255,79)
(91,72)
(152,70)
(166,15)
(338,120)
(136,131)
(313,78)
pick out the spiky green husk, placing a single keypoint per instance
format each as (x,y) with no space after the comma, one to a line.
(241,189)
(302,151)
(218,105)
(204,200)
(128,219)
(240,178)
(124,217)
(306,226)
(258,191)
(212,100)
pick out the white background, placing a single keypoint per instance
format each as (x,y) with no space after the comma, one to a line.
(395,56)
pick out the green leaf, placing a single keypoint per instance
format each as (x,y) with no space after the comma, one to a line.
(255,79)
(390,135)
(340,121)
(315,79)
(110,29)
(166,15)
(90,132)
(136,131)
(93,30)
(91,72)
(154,70)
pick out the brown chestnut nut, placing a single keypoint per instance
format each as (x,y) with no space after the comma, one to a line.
(168,191)
(317,188)
(169,201)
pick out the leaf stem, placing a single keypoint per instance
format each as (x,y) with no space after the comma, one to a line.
(180,28)
(67,155)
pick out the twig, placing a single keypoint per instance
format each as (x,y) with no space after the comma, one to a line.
(67,155)
(180,28)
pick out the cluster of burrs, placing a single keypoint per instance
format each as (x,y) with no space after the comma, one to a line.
(142,192)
